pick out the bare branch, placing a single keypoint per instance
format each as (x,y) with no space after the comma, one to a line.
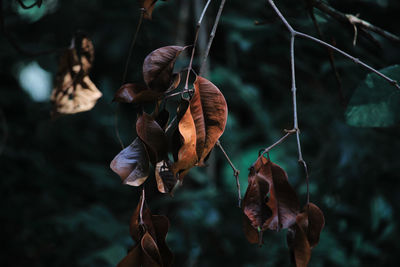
(283,138)
(195,42)
(236,172)
(212,35)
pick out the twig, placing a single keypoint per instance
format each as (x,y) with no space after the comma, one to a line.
(295,33)
(288,133)
(212,35)
(348,18)
(195,42)
(178,93)
(236,172)
(133,41)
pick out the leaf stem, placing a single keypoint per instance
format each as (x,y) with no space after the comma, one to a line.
(236,172)
(195,42)
(143,197)
(211,38)
(288,133)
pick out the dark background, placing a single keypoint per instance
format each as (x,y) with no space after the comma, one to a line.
(61,205)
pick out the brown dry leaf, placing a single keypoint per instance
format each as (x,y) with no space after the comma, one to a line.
(210,112)
(133,259)
(187,156)
(164,176)
(74,91)
(132,164)
(153,136)
(158,67)
(135,93)
(304,234)
(151,249)
(270,202)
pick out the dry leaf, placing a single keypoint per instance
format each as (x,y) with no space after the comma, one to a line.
(304,234)
(158,67)
(132,164)
(187,156)
(270,202)
(74,91)
(164,176)
(210,112)
(153,136)
(148,6)
(135,93)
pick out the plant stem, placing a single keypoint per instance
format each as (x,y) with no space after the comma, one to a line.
(195,42)
(288,133)
(142,198)
(212,35)
(236,172)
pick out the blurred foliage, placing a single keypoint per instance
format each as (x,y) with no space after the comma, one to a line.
(62,205)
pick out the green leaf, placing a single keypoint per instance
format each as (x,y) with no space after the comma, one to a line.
(375,103)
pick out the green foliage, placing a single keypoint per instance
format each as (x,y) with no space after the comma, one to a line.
(375,103)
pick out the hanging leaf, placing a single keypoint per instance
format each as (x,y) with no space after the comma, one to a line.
(158,67)
(210,112)
(375,102)
(304,234)
(135,93)
(153,136)
(74,91)
(132,164)
(187,156)
(270,202)
(150,234)
(164,176)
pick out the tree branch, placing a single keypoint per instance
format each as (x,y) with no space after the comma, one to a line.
(236,172)
(212,35)
(195,42)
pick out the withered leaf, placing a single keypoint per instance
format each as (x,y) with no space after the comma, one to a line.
(153,136)
(210,112)
(304,234)
(132,164)
(164,176)
(158,67)
(149,233)
(135,93)
(133,259)
(161,117)
(270,202)
(74,91)
(187,156)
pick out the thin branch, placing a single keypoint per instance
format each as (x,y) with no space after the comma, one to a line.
(348,18)
(195,42)
(178,93)
(132,45)
(283,138)
(212,35)
(295,33)
(236,172)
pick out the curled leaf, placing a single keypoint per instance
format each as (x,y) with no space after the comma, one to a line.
(164,176)
(133,259)
(74,91)
(161,226)
(153,136)
(304,234)
(135,93)
(158,67)
(187,156)
(151,254)
(210,112)
(132,164)
(270,202)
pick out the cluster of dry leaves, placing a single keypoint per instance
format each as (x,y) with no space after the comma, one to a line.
(270,203)
(200,121)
